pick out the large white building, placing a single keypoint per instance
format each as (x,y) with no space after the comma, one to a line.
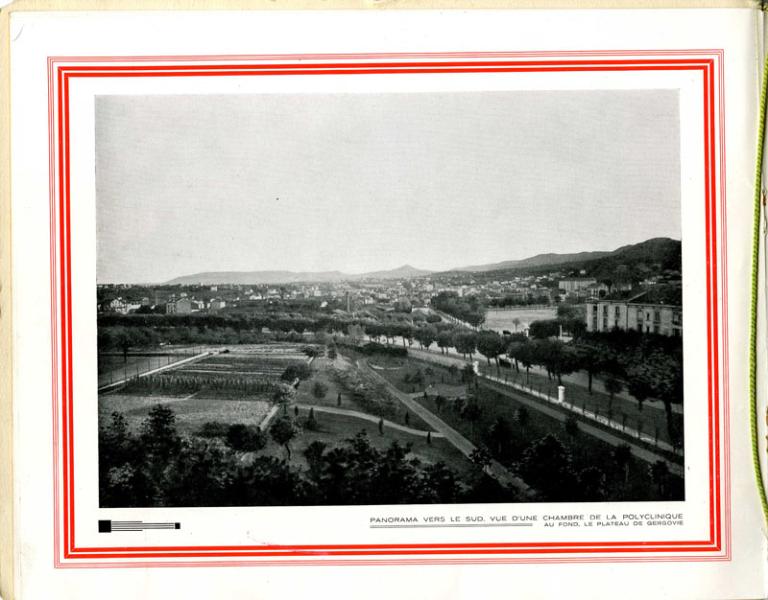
(654,311)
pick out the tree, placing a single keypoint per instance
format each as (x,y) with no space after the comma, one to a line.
(558,358)
(300,371)
(319,390)
(499,435)
(332,352)
(490,345)
(311,422)
(468,374)
(572,426)
(444,341)
(516,322)
(591,484)
(612,386)
(464,342)
(426,336)
(481,457)
(589,359)
(659,375)
(471,413)
(546,466)
(661,478)
(381,426)
(244,438)
(453,370)
(544,329)
(522,416)
(528,356)
(159,437)
(283,430)
(314,455)
(311,351)
(622,456)
(283,395)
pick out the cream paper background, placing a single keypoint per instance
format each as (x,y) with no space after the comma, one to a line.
(38,36)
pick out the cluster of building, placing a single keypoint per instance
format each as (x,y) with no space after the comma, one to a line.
(652,306)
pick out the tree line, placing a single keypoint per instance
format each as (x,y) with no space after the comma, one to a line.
(468,308)
(157,466)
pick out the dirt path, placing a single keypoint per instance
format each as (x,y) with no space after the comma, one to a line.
(462,444)
(370,418)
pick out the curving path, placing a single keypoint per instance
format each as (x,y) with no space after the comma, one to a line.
(366,417)
(495,469)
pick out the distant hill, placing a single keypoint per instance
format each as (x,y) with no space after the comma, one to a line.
(276,277)
(649,257)
(406,271)
(540,260)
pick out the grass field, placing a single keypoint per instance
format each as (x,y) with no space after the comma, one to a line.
(191,413)
(650,420)
(500,320)
(395,370)
(334,429)
(586,450)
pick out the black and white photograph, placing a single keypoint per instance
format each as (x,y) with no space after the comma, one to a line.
(389,298)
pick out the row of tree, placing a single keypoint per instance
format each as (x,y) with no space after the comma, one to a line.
(469,309)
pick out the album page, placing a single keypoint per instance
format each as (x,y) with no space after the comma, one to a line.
(384,302)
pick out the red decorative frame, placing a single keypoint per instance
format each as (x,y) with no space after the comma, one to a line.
(61,70)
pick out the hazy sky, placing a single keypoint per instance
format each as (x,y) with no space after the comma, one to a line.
(359,182)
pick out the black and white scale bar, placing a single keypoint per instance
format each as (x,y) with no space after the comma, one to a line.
(424,525)
(108,526)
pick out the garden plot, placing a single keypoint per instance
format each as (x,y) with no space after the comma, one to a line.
(191,412)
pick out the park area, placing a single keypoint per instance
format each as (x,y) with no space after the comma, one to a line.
(511,430)
(516,319)
(229,400)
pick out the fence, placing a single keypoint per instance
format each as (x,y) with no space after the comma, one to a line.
(549,394)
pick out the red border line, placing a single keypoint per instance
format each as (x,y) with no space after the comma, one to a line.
(65,461)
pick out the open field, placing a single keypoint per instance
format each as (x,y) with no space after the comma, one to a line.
(334,429)
(503,319)
(651,420)
(191,412)
(436,379)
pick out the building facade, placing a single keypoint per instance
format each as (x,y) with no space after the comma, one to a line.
(178,306)
(638,313)
(575,284)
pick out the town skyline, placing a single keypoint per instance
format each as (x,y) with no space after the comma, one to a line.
(361,183)
(405,271)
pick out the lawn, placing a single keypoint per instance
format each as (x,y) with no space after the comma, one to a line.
(395,370)
(501,320)
(586,451)
(334,429)
(650,420)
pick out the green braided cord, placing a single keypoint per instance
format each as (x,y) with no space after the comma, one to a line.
(754,296)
